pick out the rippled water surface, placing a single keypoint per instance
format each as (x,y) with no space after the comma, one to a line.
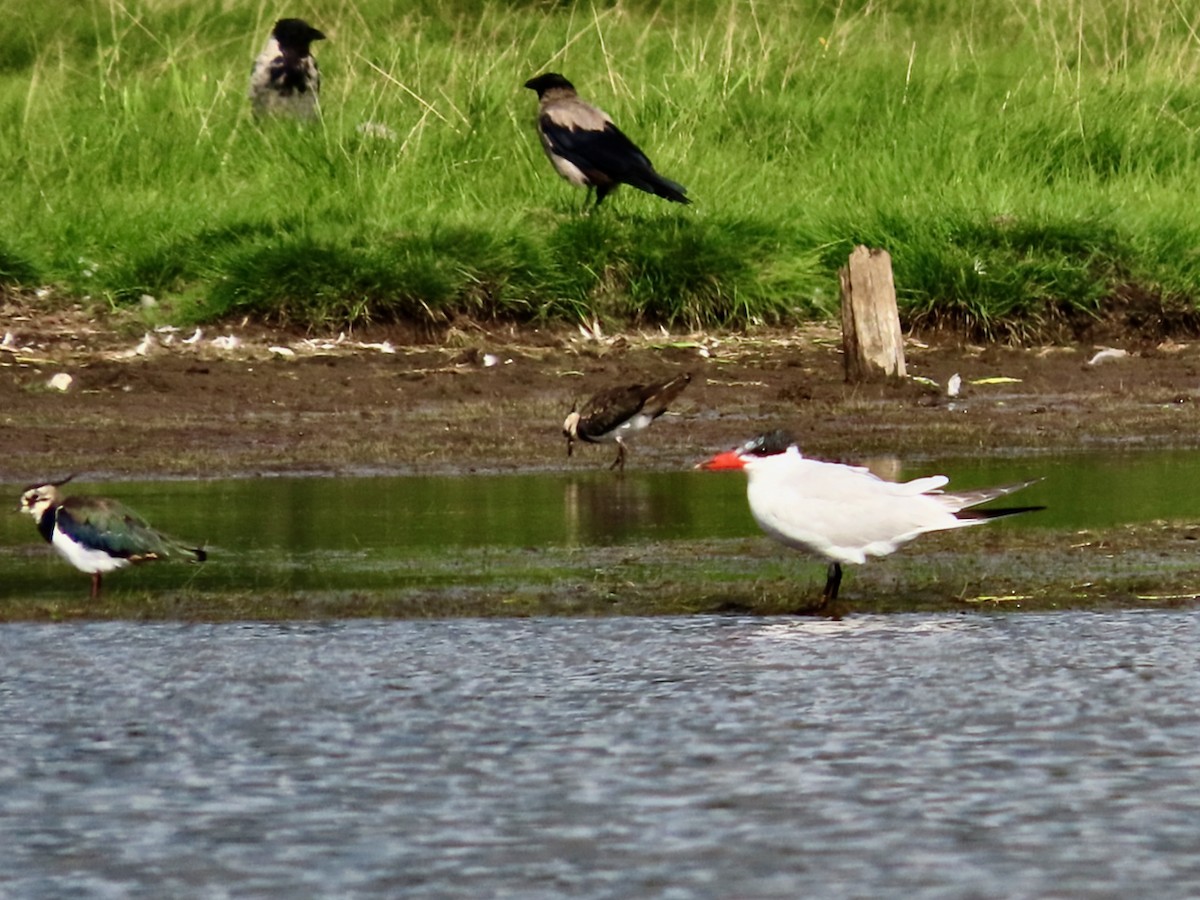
(908,756)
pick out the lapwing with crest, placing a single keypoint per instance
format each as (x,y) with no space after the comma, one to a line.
(98,535)
(616,414)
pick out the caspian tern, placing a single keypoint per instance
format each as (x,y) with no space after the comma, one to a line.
(845,513)
(617,413)
(97,535)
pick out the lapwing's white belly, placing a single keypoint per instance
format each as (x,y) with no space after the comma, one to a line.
(628,427)
(84,558)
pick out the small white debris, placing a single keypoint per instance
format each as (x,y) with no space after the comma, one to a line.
(1108,354)
(996,379)
(146,345)
(376,130)
(166,329)
(282,351)
(9,342)
(60,382)
(384,347)
(226,342)
(490,359)
(954,385)
(147,301)
(196,335)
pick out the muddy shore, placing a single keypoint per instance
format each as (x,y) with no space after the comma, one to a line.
(242,401)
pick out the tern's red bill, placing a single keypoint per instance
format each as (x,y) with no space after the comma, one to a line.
(727,461)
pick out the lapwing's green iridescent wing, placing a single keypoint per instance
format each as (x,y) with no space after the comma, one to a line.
(112,527)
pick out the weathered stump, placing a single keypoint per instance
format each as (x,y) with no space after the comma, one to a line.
(872,342)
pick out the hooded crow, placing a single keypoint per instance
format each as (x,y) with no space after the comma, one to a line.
(285,78)
(587,149)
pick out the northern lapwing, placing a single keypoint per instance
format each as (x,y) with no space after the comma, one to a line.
(587,149)
(617,413)
(845,513)
(98,535)
(285,78)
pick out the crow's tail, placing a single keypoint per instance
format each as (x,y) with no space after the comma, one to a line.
(653,183)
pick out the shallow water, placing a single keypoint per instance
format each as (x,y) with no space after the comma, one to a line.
(903,756)
(372,533)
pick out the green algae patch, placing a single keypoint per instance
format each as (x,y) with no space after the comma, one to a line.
(971,573)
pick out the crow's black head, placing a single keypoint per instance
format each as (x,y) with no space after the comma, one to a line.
(296,34)
(548,82)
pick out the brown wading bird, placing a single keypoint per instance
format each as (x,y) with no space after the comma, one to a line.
(285,78)
(97,535)
(587,149)
(617,413)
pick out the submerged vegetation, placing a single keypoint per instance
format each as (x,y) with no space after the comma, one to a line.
(1023,163)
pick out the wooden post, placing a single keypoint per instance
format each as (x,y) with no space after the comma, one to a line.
(871,338)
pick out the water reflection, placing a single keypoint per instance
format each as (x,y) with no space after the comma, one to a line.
(602,510)
(801,629)
(313,529)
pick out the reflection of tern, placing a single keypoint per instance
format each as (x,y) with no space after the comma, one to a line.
(617,413)
(844,513)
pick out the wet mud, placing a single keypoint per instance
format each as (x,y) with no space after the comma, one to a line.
(246,401)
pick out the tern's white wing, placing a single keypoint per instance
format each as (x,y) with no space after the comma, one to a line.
(844,513)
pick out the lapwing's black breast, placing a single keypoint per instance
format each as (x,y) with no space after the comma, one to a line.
(45,524)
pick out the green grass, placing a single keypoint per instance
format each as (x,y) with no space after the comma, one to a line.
(1021,162)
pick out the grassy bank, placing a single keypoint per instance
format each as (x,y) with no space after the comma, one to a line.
(1022,162)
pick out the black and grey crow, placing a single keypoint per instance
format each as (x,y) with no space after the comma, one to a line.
(285,78)
(587,149)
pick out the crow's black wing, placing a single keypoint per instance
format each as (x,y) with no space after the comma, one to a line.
(605,150)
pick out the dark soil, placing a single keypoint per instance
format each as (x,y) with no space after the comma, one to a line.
(493,398)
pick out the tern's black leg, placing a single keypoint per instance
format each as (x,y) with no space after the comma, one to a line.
(833,581)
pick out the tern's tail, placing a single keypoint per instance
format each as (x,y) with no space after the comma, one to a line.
(965,501)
